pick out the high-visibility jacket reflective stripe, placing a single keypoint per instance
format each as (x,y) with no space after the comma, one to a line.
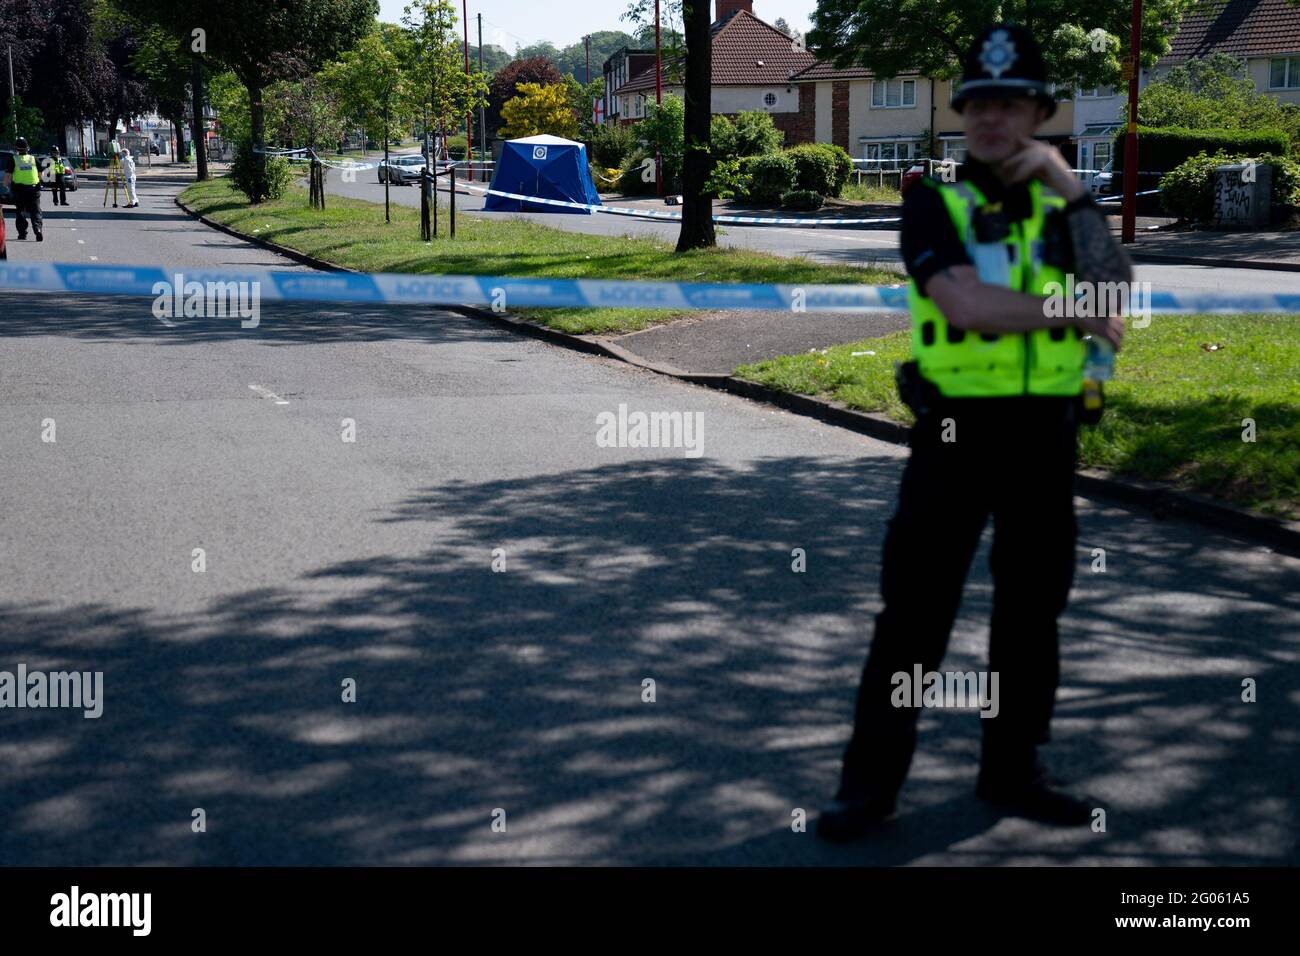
(25,171)
(965,364)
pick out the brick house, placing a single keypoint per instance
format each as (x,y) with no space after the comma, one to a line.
(752,66)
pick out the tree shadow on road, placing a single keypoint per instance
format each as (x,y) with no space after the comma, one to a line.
(522,690)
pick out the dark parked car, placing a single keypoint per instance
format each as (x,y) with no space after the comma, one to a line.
(47,176)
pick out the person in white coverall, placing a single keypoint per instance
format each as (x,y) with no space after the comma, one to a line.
(128,174)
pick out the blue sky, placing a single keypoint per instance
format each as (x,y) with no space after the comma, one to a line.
(510,22)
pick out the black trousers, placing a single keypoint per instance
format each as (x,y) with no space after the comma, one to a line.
(1012,459)
(60,190)
(27,200)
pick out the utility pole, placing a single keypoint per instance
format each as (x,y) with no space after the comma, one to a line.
(586,43)
(13,107)
(659,99)
(482,111)
(1128,225)
(469,116)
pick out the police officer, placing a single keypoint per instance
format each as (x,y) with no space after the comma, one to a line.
(59,169)
(23,175)
(995,381)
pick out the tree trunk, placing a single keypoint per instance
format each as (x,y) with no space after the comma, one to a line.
(697,208)
(256,116)
(197,126)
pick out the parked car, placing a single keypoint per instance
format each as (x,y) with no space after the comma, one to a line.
(911,175)
(47,173)
(401,170)
(47,177)
(1103,181)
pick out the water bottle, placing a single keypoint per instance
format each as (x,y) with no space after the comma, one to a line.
(1099,366)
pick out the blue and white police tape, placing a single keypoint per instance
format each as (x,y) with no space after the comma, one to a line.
(507,292)
(657,214)
(1145,192)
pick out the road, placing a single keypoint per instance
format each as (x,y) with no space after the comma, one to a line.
(868,246)
(520,691)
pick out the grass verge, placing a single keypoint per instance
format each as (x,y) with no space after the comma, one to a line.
(352,233)
(1175,411)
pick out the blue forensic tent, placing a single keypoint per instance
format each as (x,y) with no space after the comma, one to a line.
(549,167)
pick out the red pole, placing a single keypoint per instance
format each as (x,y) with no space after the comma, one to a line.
(659,98)
(469,115)
(1128,227)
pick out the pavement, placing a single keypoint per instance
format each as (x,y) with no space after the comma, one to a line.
(521,690)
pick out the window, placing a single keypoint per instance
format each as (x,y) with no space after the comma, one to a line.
(1097,92)
(1284,73)
(1101,153)
(955,149)
(893,94)
(889,155)
(769,100)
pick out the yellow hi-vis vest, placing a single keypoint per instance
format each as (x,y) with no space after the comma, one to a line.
(964,364)
(25,171)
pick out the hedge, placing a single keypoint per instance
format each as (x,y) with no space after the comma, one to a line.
(820,168)
(773,176)
(1163,149)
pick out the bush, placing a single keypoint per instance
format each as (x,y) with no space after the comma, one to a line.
(820,168)
(631,181)
(1188,191)
(772,176)
(610,145)
(727,180)
(803,200)
(257,176)
(1163,149)
(752,133)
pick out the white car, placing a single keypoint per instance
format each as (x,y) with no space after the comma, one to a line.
(401,170)
(1102,181)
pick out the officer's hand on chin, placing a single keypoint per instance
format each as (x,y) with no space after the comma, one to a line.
(1109,327)
(1043,161)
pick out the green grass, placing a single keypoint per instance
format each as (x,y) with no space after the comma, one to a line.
(1174,411)
(352,233)
(870,192)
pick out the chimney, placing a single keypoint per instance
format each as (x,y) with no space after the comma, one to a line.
(726,7)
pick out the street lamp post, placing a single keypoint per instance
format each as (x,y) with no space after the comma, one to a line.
(659,99)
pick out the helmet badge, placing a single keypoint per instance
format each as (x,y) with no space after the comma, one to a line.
(997,54)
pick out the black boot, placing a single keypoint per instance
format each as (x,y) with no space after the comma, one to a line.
(852,815)
(1020,787)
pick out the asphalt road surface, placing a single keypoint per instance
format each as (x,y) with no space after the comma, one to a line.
(517,694)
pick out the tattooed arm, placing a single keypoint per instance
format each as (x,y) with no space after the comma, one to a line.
(1097,256)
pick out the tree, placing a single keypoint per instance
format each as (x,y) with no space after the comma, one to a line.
(371,83)
(539,109)
(261,41)
(1081,42)
(1214,92)
(663,131)
(697,162)
(788,30)
(444,91)
(672,43)
(752,133)
(505,83)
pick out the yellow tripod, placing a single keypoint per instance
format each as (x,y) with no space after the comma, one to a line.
(114,177)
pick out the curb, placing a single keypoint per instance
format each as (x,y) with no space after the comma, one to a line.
(1161,500)
(1158,259)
